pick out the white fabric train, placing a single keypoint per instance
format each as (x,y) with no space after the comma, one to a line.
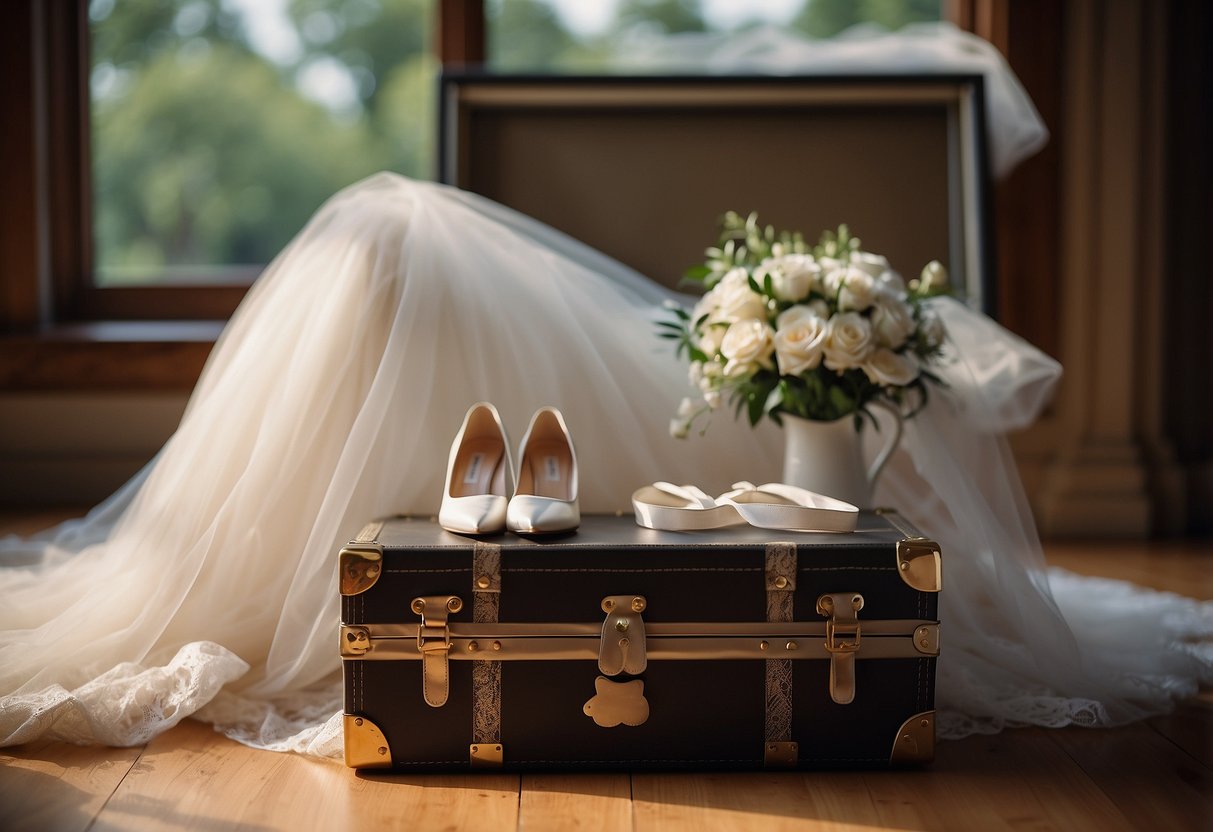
(207,585)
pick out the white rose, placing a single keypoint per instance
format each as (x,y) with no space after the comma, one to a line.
(819,308)
(710,334)
(859,291)
(798,341)
(873,264)
(735,300)
(932,329)
(832,281)
(847,342)
(747,345)
(792,275)
(888,368)
(892,285)
(892,322)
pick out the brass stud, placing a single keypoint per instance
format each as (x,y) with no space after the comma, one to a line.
(454,604)
(637,605)
(608,605)
(497,748)
(907,738)
(763,645)
(925,723)
(905,566)
(475,749)
(419,605)
(621,625)
(473,646)
(358,722)
(925,643)
(781,582)
(791,645)
(382,749)
(483,582)
(623,642)
(496,645)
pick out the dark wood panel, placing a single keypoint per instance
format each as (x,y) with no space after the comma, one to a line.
(108,356)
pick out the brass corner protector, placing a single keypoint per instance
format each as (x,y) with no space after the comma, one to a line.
(361,564)
(486,754)
(365,744)
(780,754)
(915,740)
(920,564)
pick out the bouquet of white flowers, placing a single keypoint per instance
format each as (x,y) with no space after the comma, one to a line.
(818,332)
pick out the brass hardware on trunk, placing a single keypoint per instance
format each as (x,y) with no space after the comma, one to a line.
(355,641)
(664,641)
(434,645)
(360,565)
(619,653)
(842,641)
(915,740)
(365,744)
(780,754)
(617,703)
(926,639)
(486,755)
(920,564)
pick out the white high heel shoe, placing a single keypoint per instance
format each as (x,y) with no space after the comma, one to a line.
(776,505)
(479,475)
(545,501)
(681,508)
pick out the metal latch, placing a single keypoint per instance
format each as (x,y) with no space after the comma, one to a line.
(434,644)
(622,648)
(842,641)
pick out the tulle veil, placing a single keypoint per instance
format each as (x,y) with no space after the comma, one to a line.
(206,585)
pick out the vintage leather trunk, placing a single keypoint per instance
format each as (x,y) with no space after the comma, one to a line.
(622,647)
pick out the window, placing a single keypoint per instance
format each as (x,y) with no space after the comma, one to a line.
(577,36)
(219,126)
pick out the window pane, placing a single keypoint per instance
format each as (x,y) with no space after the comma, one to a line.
(218,126)
(579,36)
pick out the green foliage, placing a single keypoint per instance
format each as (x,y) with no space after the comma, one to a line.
(827,18)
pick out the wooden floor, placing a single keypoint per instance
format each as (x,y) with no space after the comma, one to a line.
(1156,775)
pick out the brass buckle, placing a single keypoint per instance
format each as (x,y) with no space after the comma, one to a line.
(850,629)
(434,634)
(434,645)
(842,641)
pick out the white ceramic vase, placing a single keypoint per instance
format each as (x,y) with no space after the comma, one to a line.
(826,457)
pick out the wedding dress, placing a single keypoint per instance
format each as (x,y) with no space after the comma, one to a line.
(207,585)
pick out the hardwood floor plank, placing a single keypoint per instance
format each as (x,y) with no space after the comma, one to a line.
(1010,781)
(58,786)
(1190,728)
(193,778)
(585,802)
(1181,566)
(759,801)
(1153,783)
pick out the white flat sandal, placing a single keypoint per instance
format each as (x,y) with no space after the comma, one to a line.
(776,505)
(681,508)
